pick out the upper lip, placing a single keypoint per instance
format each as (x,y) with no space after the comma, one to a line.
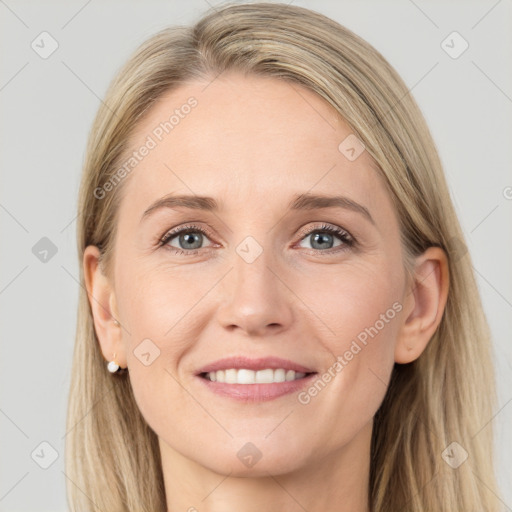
(254,364)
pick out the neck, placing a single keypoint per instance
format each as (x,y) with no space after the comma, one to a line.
(338,482)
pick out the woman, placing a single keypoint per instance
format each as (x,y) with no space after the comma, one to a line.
(255,369)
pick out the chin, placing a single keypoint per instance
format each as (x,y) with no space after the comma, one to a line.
(251,461)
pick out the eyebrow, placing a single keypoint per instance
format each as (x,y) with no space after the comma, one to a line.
(304,201)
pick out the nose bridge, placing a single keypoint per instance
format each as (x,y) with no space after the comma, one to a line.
(254,298)
(251,271)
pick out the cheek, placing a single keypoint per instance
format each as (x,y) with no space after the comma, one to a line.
(156,301)
(155,305)
(161,312)
(359,301)
(362,307)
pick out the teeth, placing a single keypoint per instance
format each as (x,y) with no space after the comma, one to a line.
(243,376)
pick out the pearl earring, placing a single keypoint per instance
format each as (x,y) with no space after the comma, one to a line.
(116,322)
(112,366)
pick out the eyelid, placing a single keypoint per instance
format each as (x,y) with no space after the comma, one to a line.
(346,237)
(171,233)
(325,226)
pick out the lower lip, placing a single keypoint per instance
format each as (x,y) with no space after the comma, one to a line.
(257,392)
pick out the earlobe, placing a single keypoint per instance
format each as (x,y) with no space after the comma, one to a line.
(425,303)
(103,306)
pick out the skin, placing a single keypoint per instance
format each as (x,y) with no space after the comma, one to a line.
(252,143)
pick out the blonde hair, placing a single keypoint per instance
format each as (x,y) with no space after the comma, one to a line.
(448,394)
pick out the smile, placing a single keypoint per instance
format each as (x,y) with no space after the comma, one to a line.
(246,386)
(245,376)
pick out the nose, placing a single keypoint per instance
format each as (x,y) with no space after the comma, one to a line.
(256,298)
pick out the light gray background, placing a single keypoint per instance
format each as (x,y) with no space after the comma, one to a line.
(48,105)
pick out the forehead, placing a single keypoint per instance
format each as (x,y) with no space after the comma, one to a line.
(247,140)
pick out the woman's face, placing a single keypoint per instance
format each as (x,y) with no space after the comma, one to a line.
(255,277)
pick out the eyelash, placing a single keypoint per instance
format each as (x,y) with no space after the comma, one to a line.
(343,235)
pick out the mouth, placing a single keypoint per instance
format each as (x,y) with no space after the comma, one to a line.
(250,386)
(244,376)
(254,380)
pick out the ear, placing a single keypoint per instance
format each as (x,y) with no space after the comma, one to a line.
(103,305)
(425,304)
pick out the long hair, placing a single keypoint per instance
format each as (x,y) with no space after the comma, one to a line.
(446,395)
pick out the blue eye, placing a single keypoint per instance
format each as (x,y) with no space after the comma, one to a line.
(190,239)
(319,237)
